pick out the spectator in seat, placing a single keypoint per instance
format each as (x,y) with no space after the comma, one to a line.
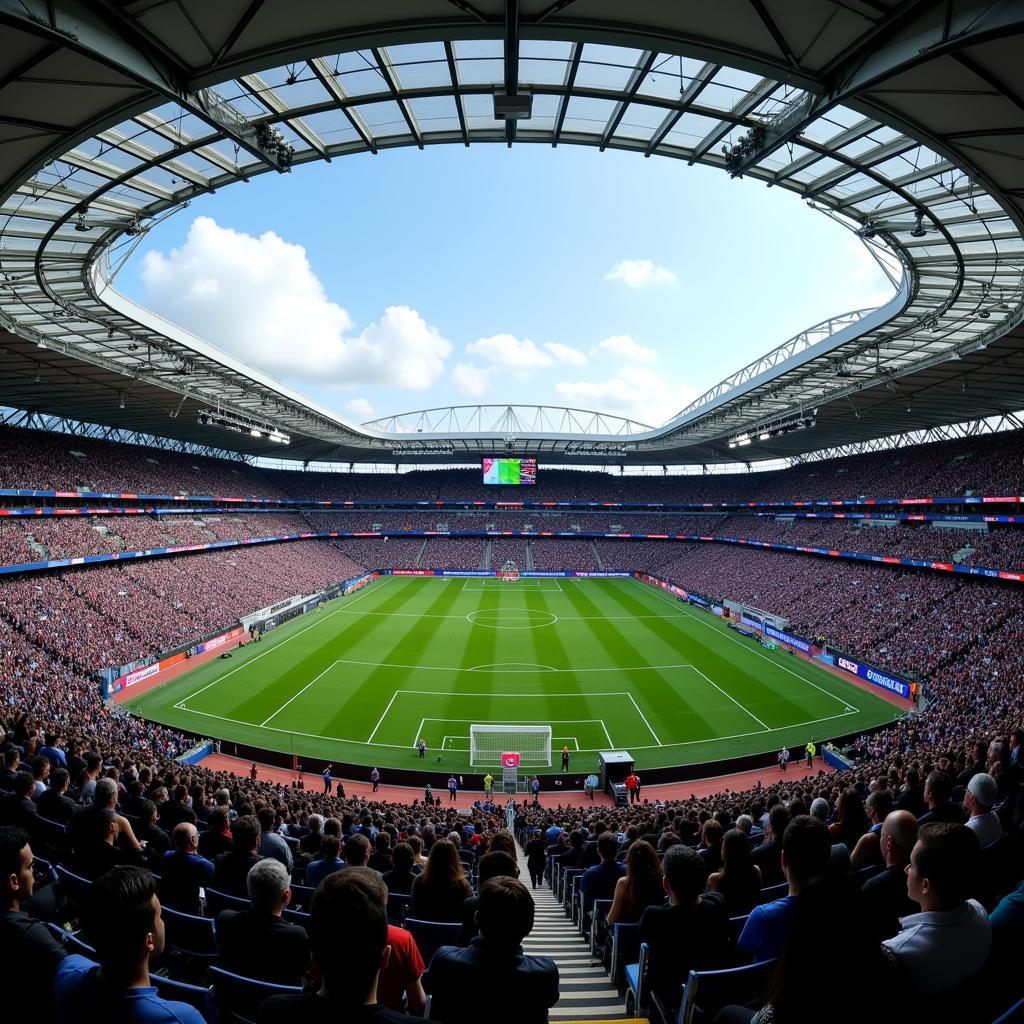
(177,809)
(938,793)
(183,871)
(157,841)
(641,886)
(123,922)
(495,962)
(31,955)
(598,882)
(438,894)
(99,852)
(805,856)
(802,987)
(380,859)
(84,823)
(347,958)
(217,837)
(979,800)
(979,754)
(399,985)
(851,820)
(768,856)
(949,940)
(18,808)
(231,870)
(739,878)
(868,851)
(400,878)
(710,848)
(884,897)
(691,933)
(497,864)
(258,943)
(54,804)
(271,844)
(328,862)
(310,842)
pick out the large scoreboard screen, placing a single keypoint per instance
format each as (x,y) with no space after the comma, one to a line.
(510,472)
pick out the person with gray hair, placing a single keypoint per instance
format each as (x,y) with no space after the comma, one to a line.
(820,809)
(258,942)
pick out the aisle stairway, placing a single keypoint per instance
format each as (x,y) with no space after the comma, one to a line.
(586,992)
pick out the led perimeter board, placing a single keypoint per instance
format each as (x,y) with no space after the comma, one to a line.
(510,472)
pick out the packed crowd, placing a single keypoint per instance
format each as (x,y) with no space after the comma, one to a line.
(989,464)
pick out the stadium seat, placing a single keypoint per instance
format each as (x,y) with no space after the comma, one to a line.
(772,893)
(238,999)
(1014,1015)
(635,976)
(217,901)
(302,897)
(597,921)
(625,949)
(71,942)
(430,936)
(198,996)
(398,906)
(706,992)
(736,927)
(75,886)
(194,937)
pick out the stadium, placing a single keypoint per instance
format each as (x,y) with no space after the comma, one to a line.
(737,695)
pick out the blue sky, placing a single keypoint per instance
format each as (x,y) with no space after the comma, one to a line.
(450,276)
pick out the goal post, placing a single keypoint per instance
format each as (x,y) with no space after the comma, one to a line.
(488,742)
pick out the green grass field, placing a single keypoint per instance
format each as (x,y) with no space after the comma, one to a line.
(608,664)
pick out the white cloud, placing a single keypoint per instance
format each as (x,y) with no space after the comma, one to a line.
(637,393)
(514,353)
(566,354)
(260,300)
(639,274)
(471,379)
(622,346)
(360,409)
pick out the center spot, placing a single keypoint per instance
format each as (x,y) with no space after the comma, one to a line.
(513,618)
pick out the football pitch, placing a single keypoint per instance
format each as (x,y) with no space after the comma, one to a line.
(609,664)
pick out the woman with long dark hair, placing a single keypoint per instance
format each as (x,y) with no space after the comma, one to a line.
(851,819)
(641,886)
(739,878)
(438,894)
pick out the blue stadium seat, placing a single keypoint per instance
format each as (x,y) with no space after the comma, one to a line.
(71,942)
(430,936)
(198,996)
(302,897)
(625,949)
(1014,1015)
(398,906)
(190,935)
(597,931)
(238,999)
(217,901)
(75,886)
(299,917)
(706,992)
(773,892)
(636,976)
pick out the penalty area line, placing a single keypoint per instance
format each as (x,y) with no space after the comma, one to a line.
(644,717)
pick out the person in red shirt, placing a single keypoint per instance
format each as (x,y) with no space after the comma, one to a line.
(632,783)
(400,976)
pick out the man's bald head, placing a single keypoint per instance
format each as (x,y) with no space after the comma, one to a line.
(185,837)
(899,833)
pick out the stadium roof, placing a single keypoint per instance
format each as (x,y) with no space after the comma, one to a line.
(903,120)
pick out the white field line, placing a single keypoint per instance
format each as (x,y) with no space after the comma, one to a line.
(518,693)
(366,590)
(299,694)
(732,698)
(694,617)
(644,717)
(405,746)
(519,671)
(607,735)
(503,611)
(385,715)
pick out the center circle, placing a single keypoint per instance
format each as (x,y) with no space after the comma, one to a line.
(513,618)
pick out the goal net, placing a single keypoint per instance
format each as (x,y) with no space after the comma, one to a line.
(488,742)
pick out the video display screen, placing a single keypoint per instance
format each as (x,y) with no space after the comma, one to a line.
(510,472)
